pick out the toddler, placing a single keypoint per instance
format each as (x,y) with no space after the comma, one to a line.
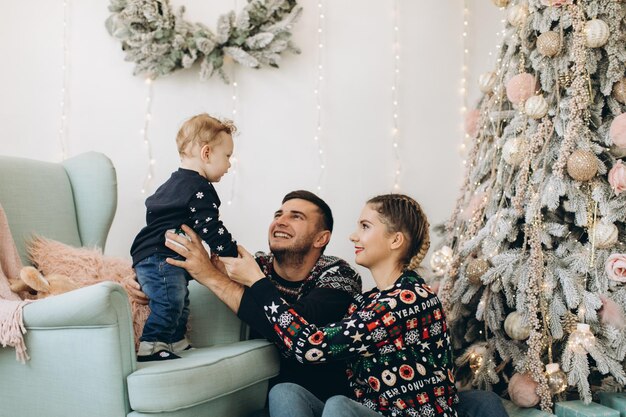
(205,145)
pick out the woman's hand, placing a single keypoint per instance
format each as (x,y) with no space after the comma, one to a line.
(133,289)
(243,269)
(197,261)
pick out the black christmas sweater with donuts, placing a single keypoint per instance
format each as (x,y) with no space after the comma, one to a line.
(395,343)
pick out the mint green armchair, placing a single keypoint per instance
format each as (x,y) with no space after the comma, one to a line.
(81,343)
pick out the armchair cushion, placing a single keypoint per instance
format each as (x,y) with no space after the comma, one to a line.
(202,375)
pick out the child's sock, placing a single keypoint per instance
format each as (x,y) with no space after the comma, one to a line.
(181,345)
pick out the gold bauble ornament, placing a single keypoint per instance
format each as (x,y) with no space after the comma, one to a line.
(556,378)
(582,165)
(501,3)
(536,107)
(596,33)
(619,91)
(517,14)
(475,361)
(440,260)
(513,150)
(475,269)
(516,327)
(486,81)
(549,43)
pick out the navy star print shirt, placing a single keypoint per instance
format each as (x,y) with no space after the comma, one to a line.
(185,198)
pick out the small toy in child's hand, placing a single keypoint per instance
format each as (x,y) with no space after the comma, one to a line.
(180,233)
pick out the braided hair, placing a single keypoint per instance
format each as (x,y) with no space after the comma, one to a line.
(401,213)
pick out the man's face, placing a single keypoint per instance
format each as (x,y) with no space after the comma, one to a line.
(294,227)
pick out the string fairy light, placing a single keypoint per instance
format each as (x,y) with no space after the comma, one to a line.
(318,95)
(234,161)
(146,137)
(64,103)
(464,75)
(395,133)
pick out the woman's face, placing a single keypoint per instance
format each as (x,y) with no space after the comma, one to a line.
(372,241)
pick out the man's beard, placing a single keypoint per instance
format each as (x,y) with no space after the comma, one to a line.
(293,256)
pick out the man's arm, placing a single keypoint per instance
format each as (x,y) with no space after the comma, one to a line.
(200,267)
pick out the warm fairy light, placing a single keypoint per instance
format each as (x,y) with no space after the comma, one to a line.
(146,138)
(318,96)
(395,133)
(63,122)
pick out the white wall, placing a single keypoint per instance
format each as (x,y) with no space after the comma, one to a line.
(276,108)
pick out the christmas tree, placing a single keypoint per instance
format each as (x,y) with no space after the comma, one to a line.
(534,265)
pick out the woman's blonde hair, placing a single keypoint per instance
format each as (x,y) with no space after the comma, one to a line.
(400,213)
(201,129)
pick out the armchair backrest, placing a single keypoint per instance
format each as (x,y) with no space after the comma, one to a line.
(72,202)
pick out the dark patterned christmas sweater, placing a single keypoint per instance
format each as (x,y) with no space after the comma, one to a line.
(322,297)
(395,343)
(185,198)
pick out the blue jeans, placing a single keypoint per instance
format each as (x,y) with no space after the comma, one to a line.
(166,287)
(291,400)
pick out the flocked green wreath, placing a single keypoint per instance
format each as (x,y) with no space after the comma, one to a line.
(160,41)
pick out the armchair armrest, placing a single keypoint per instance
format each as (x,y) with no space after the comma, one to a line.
(81,349)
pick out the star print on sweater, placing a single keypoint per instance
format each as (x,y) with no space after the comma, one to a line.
(185,198)
(395,343)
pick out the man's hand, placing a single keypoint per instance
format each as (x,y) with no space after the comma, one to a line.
(243,269)
(197,261)
(206,271)
(133,289)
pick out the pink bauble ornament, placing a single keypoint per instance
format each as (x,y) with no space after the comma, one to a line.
(471,122)
(523,391)
(611,313)
(617,133)
(520,87)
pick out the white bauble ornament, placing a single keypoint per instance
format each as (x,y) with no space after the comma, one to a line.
(549,43)
(536,107)
(605,235)
(513,150)
(516,327)
(440,260)
(581,339)
(501,3)
(486,81)
(596,33)
(517,14)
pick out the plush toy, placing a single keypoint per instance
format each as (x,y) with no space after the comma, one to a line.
(33,283)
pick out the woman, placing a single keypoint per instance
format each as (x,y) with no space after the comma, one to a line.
(394,337)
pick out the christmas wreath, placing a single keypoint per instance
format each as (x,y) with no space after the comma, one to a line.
(159,41)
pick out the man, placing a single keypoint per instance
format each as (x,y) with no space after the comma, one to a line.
(318,286)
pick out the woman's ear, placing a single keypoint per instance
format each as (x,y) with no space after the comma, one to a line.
(205,153)
(398,240)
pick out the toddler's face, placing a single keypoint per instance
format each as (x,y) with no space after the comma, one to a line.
(219,158)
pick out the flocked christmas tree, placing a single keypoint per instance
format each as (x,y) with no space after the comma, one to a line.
(534,265)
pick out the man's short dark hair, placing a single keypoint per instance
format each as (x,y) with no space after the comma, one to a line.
(327,214)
